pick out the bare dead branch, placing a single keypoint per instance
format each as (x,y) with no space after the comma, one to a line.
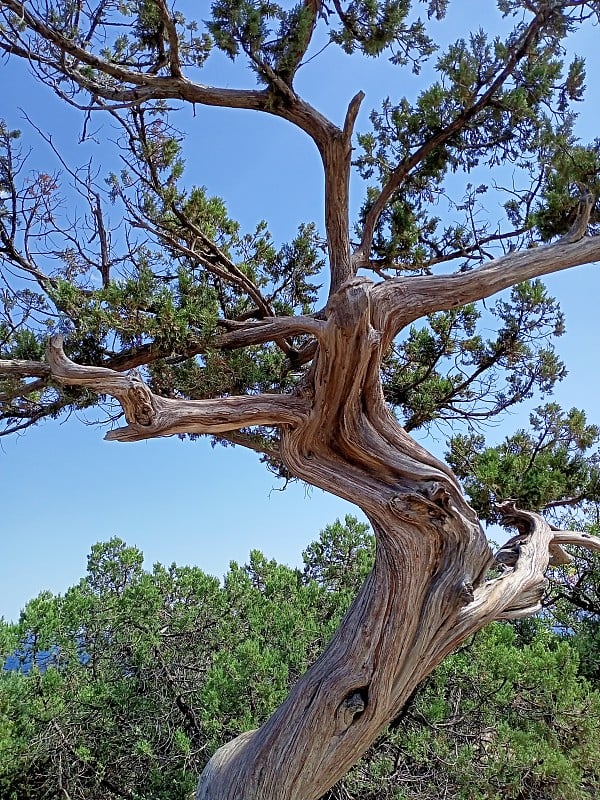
(519,592)
(576,538)
(20,368)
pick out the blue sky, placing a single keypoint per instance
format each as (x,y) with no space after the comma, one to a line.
(64,488)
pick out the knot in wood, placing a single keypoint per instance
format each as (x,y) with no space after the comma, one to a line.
(413,507)
(138,405)
(351,707)
(351,303)
(439,494)
(466,593)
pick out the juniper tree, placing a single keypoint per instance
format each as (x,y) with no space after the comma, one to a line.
(233,341)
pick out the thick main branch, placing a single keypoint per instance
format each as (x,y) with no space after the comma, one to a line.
(400,301)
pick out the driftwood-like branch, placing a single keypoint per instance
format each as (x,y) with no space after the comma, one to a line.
(518,593)
(150,415)
(576,539)
(19,368)
(403,300)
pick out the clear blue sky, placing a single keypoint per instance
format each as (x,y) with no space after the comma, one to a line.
(64,488)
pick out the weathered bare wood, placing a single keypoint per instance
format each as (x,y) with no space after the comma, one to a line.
(400,301)
(426,594)
(576,539)
(427,591)
(150,415)
(19,368)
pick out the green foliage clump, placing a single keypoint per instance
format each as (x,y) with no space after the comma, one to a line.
(443,371)
(546,467)
(130,680)
(506,717)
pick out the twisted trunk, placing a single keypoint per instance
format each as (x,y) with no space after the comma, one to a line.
(428,590)
(431,556)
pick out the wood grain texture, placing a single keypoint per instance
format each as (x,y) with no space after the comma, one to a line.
(428,590)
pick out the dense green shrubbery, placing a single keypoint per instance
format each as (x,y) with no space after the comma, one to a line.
(130,680)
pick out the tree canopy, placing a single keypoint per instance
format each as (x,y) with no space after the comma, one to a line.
(325,352)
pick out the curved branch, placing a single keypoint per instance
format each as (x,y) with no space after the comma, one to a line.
(150,415)
(152,86)
(519,592)
(146,86)
(576,538)
(403,300)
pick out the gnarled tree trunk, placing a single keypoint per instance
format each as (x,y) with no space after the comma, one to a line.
(428,590)
(424,596)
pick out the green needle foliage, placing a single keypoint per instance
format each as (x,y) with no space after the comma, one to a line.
(548,467)
(125,685)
